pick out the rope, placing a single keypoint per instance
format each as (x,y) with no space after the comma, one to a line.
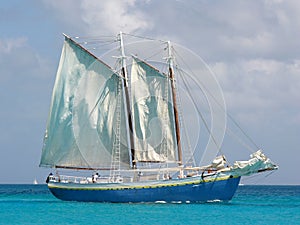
(155,54)
(230,132)
(188,154)
(146,38)
(254,176)
(219,104)
(199,112)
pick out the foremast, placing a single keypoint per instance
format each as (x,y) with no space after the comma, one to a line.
(128,107)
(175,108)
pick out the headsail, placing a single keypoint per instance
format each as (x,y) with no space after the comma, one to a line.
(81,125)
(152,114)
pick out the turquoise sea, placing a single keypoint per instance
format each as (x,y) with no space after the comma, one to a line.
(34,204)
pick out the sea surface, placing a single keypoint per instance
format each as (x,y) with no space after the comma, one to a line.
(34,204)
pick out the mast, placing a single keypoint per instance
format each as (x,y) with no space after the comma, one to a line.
(173,87)
(129,114)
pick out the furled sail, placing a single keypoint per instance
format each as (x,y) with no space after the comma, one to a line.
(154,134)
(257,163)
(86,117)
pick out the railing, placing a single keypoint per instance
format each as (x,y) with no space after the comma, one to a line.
(141,175)
(85,180)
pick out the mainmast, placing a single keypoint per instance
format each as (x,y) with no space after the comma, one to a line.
(129,114)
(173,87)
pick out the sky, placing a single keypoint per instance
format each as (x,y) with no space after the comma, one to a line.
(252,47)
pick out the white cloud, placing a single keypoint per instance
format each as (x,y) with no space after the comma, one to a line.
(253,45)
(113,16)
(101,18)
(18,58)
(260,88)
(258,44)
(8,45)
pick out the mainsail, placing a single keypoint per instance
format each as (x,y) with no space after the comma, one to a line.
(86,117)
(154,134)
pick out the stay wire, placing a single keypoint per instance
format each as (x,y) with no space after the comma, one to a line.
(228,114)
(146,38)
(199,112)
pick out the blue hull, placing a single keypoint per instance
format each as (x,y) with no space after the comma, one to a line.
(184,190)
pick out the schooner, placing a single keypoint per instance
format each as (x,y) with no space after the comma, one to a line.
(124,125)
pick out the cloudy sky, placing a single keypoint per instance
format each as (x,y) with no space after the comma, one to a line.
(252,47)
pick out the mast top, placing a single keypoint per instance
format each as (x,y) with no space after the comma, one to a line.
(170,58)
(123,56)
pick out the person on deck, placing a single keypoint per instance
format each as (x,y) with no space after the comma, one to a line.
(95,177)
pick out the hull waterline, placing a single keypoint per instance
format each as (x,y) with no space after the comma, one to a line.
(184,190)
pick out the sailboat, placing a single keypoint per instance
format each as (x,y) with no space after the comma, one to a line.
(124,131)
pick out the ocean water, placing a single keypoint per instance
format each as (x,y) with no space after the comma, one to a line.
(34,204)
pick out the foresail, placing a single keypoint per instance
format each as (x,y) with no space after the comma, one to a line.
(82,123)
(153,119)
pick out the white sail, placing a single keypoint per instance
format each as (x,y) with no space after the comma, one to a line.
(82,121)
(154,135)
(257,163)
